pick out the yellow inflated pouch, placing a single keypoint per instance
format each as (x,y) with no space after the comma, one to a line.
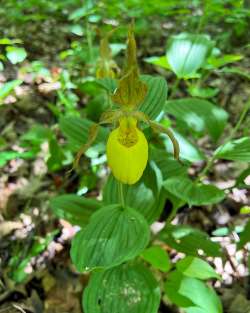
(127,151)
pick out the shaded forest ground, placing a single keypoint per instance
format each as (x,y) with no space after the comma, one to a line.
(49,282)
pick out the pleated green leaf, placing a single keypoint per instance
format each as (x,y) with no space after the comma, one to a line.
(107,83)
(156,95)
(235,150)
(113,235)
(145,196)
(76,130)
(167,164)
(188,150)
(155,98)
(193,193)
(159,61)
(75,209)
(171,289)
(244,236)
(157,257)
(202,92)
(190,241)
(192,294)
(199,115)
(186,53)
(219,61)
(196,268)
(126,288)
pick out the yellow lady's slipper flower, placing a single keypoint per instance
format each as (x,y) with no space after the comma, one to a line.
(127,147)
(127,151)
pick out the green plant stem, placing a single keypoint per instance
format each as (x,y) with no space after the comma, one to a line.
(174,88)
(109,102)
(120,186)
(202,19)
(172,215)
(233,133)
(89,41)
(242,116)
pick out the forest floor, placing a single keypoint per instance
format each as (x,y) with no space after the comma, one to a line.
(52,285)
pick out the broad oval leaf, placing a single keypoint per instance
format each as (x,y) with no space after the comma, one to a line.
(199,92)
(155,98)
(244,236)
(145,196)
(15,54)
(188,240)
(160,61)
(218,61)
(196,268)
(167,164)
(126,288)
(199,115)
(186,53)
(192,294)
(193,193)
(156,95)
(235,150)
(171,289)
(188,150)
(113,235)
(75,209)
(107,83)
(157,257)
(76,130)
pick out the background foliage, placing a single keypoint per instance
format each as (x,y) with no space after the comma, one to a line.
(194,257)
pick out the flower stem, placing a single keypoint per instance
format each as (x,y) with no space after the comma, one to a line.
(120,187)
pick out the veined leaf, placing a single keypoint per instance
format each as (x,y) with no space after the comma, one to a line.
(235,150)
(160,61)
(107,83)
(168,165)
(205,93)
(196,268)
(157,257)
(189,240)
(76,130)
(172,286)
(75,209)
(193,193)
(199,115)
(192,294)
(188,150)
(156,95)
(186,53)
(126,288)
(218,61)
(145,196)
(244,236)
(113,236)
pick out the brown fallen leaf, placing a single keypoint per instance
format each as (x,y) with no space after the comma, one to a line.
(6,227)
